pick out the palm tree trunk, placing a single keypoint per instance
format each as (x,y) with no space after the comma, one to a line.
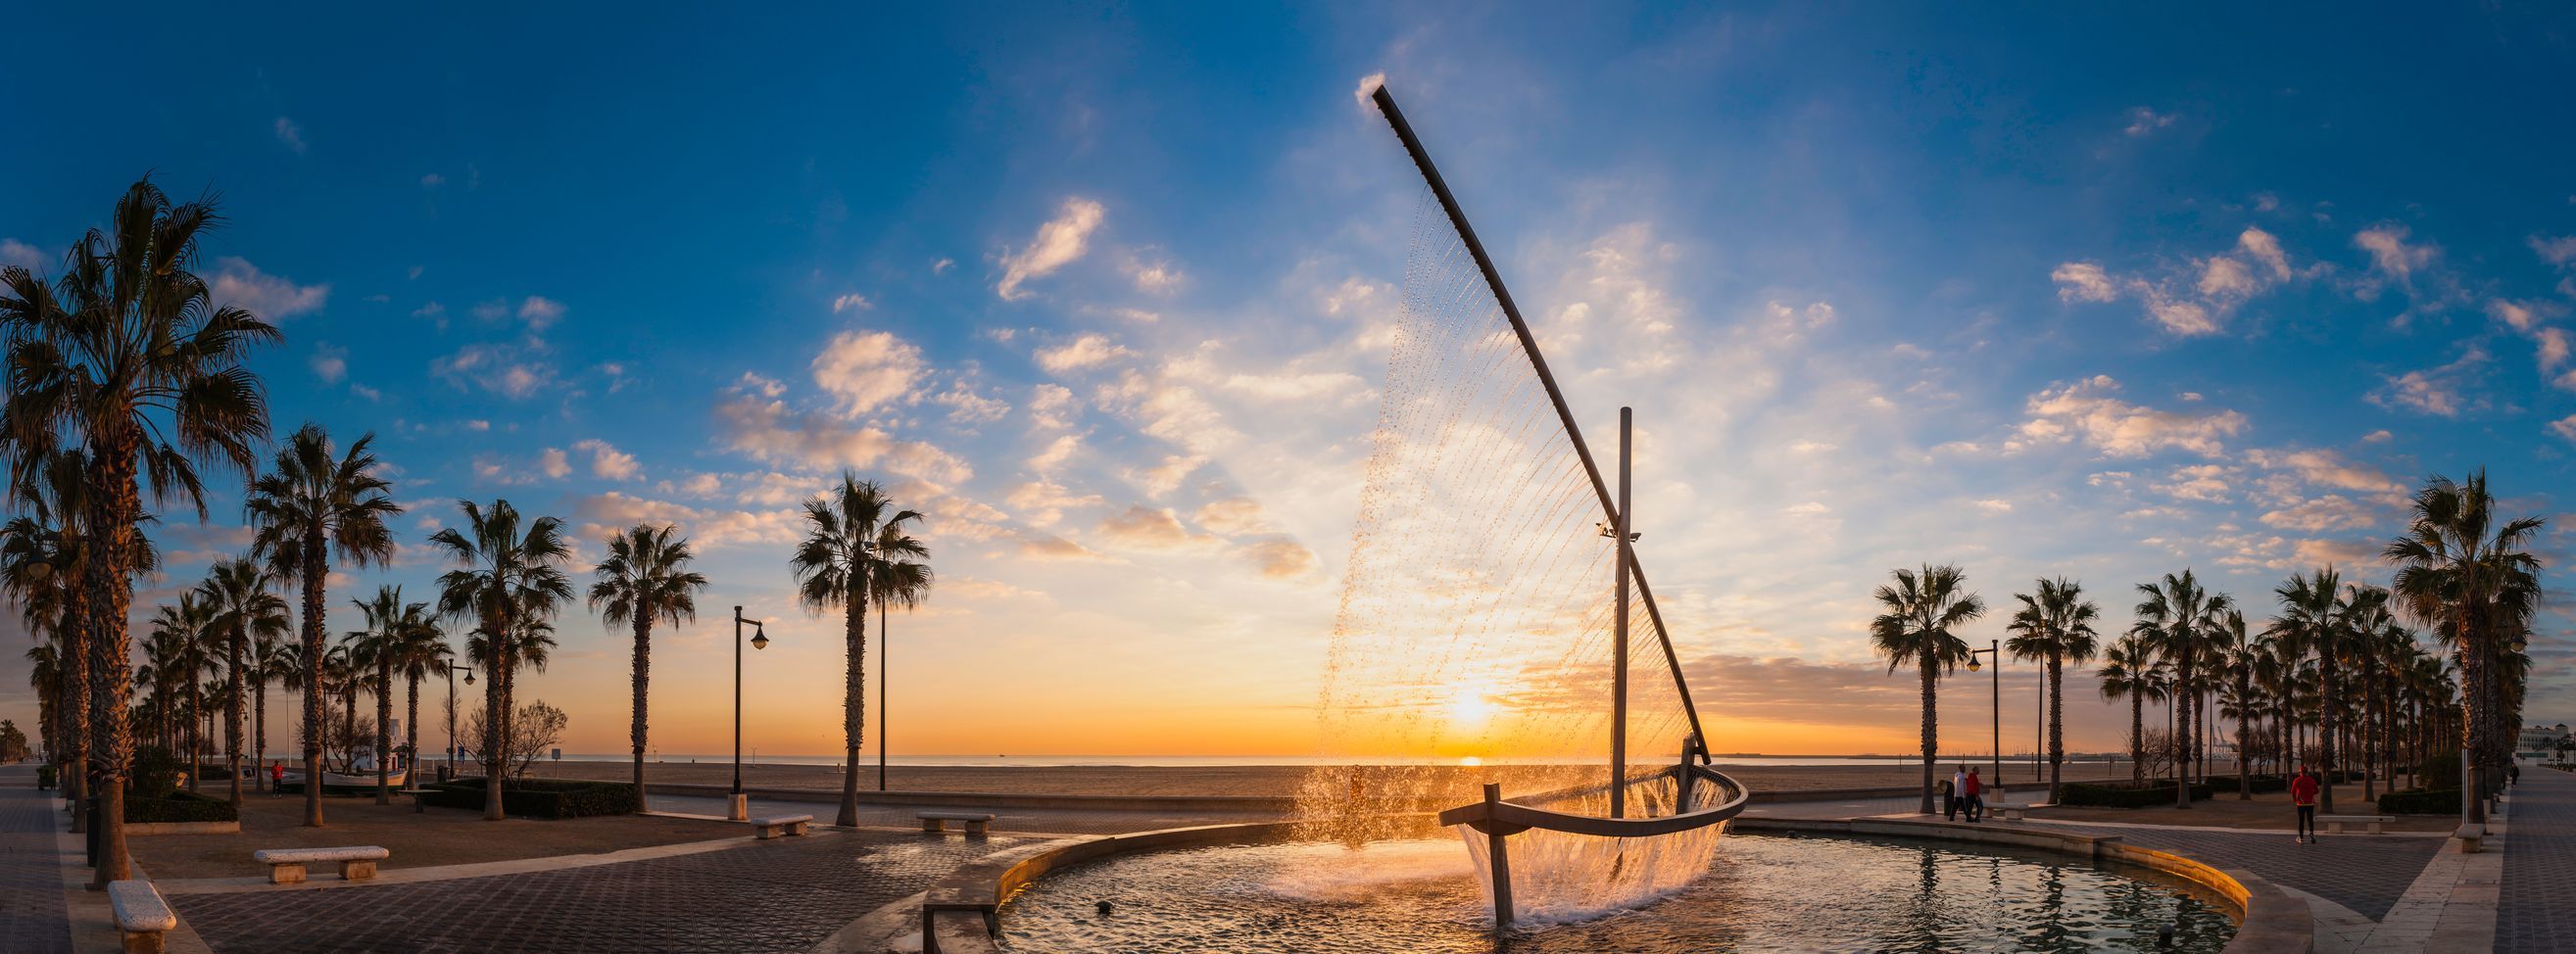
(496,704)
(74,710)
(384,728)
(2183,705)
(411,729)
(233,714)
(643,675)
(2326,732)
(315,721)
(2056,724)
(2137,736)
(2244,737)
(854,700)
(259,725)
(1931,730)
(112,514)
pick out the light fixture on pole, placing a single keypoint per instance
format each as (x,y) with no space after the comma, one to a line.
(738,806)
(1994,649)
(452,670)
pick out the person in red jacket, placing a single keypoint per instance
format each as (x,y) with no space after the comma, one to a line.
(2303,793)
(1975,793)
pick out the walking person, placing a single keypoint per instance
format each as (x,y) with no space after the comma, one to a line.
(2303,793)
(1975,792)
(1949,792)
(1959,789)
(276,777)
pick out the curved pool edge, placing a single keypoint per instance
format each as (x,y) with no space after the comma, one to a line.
(960,914)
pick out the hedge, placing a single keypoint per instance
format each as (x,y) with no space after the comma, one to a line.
(2440,801)
(2124,794)
(179,806)
(2261,785)
(45,776)
(542,797)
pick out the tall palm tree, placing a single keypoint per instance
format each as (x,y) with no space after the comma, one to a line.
(271,660)
(645,578)
(2469,575)
(312,508)
(1921,609)
(531,643)
(832,567)
(128,357)
(2056,625)
(420,653)
(2179,614)
(245,612)
(2238,656)
(900,582)
(2131,670)
(391,629)
(181,633)
(2312,621)
(506,575)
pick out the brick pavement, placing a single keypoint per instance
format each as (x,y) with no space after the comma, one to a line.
(33,919)
(2536,910)
(782,895)
(2366,873)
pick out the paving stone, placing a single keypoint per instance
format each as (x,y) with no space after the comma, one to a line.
(2536,906)
(33,919)
(2366,873)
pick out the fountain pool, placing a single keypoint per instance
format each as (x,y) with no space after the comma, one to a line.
(1762,893)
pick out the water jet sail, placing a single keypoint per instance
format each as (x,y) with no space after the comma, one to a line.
(1478,636)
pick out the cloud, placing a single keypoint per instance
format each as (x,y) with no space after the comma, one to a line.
(2389,253)
(2191,298)
(1280,558)
(609,462)
(1059,549)
(2436,391)
(290,134)
(2087,411)
(1233,516)
(867,370)
(554,463)
(600,515)
(1166,477)
(2330,512)
(967,407)
(1051,406)
(2083,281)
(1042,502)
(499,369)
(1995,506)
(329,363)
(1084,351)
(851,302)
(2206,483)
(1154,277)
(238,282)
(21,254)
(2144,122)
(1058,243)
(1368,87)
(432,181)
(766,429)
(1148,529)
(2564,427)
(2329,469)
(539,311)
(1056,453)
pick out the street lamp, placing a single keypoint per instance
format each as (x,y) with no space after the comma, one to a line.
(1996,650)
(452,670)
(739,806)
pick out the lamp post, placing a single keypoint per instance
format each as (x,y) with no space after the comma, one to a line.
(452,670)
(738,806)
(1995,650)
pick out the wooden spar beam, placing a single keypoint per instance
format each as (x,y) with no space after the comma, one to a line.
(1619,626)
(1529,346)
(1502,861)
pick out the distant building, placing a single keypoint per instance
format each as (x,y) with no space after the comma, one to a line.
(2543,742)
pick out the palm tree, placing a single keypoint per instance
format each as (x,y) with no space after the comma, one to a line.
(505,576)
(2312,620)
(2179,615)
(2239,656)
(311,508)
(2055,625)
(45,675)
(645,578)
(180,634)
(2131,670)
(391,628)
(531,643)
(244,612)
(1921,609)
(832,568)
(899,582)
(271,658)
(421,652)
(2469,575)
(127,357)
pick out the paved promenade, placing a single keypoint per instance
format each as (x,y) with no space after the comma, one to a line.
(2536,910)
(32,913)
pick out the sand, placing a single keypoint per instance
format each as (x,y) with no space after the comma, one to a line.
(1247,780)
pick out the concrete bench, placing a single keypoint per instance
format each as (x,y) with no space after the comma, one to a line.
(2013,812)
(141,915)
(286,865)
(777,825)
(937,822)
(2376,823)
(2469,836)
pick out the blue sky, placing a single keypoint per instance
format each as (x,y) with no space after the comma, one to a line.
(2076,291)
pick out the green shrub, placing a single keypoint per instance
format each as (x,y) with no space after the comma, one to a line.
(542,798)
(2124,794)
(2443,769)
(2261,784)
(2440,801)
(44,776)
(155,775)
(179,806)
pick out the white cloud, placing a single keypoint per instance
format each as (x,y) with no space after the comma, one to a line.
(1992,506)
(1059,549)
(554,463)
(851,302)
(1058,243)
(2194,298)
(499,369)
(2564,427)
(2437,391)
(2517,315)
(2206,483)
(432,181)
(2083,281)
(329,363)
(609,462)
(1084,351)
(1147,529)
(2556,251)
(1043,502)
(2390,254)
(1056,453)
(967,407)
(539,311)
(238,282)
(766,429)
(1166,477)
(290,134)
(2144,122)
(1051,406)
(1280,558)
(1368,87)
(867,370)
(21,254)
(1153,277)
(600,515)
(2330,512)
(2087,411)
(1233,516)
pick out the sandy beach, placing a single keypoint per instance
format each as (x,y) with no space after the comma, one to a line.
(1239,780)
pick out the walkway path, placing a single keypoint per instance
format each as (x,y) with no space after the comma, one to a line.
(32,916)
(2536,910)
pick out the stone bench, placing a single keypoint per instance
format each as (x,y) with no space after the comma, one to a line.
(141,915)
(935,823)
(2377,824)
(2013,811)
(286,865)
(2469,836)
(777,825)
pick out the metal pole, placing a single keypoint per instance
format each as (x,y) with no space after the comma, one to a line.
(1502,860)
(737,700)
(1529,346)
(885,658)
(1619,640)
(451,720)
(1996,650)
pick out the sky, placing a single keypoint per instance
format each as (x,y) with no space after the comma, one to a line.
(1105,293)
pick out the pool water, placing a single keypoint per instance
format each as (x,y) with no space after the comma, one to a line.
(1763,893)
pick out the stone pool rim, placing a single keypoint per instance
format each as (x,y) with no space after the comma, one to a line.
(960,913)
